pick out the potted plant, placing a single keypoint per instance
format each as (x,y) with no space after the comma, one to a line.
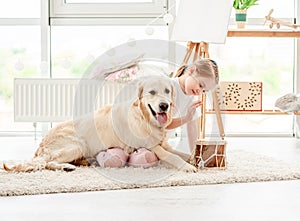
(241,7)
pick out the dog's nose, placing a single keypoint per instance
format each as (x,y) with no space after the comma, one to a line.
(163,106)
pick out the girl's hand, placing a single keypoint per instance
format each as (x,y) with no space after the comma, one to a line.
(192,109)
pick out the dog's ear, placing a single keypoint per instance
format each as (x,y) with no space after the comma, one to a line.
(140,89)
(173,95)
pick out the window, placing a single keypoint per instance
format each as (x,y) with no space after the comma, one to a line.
(74,43)
(107,1)
(74,48)
(19,56)
(268,60)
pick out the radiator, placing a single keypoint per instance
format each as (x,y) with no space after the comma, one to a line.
(54,100)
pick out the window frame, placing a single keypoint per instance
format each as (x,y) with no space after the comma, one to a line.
(59,9)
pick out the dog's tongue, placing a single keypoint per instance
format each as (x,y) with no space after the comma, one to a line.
(162,118)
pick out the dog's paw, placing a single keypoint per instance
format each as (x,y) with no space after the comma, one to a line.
(69,168)
(62,166)
(189,168)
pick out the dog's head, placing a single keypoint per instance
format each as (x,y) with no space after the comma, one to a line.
(155,99)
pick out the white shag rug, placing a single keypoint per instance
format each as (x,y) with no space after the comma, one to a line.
(242,166)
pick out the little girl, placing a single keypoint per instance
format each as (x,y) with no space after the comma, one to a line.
(190,81)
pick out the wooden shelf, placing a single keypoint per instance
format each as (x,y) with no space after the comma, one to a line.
(264,33)
(267,112)
(268,33)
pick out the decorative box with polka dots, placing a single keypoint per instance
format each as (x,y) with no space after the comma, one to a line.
(240,96)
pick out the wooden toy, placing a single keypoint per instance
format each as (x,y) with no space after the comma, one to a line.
(278,22)
(209,154)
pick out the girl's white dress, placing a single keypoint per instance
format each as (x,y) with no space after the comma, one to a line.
(182,103)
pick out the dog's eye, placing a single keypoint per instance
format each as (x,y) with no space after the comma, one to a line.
(167,91)
(152,92)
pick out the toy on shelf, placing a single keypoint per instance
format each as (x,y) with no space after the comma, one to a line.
(289,103)
(278,22)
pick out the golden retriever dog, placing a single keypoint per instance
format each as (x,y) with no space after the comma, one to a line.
(135,123)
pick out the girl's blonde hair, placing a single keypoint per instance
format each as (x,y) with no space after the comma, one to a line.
(205,67)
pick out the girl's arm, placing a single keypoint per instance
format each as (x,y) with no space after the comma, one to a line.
(192,133)
(177,122)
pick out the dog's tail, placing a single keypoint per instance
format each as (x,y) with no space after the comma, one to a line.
(34,165)
(39,163)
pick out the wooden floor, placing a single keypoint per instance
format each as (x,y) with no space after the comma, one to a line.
(245,201)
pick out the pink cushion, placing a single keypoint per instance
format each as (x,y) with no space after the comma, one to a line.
(142,157)
(113,157)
